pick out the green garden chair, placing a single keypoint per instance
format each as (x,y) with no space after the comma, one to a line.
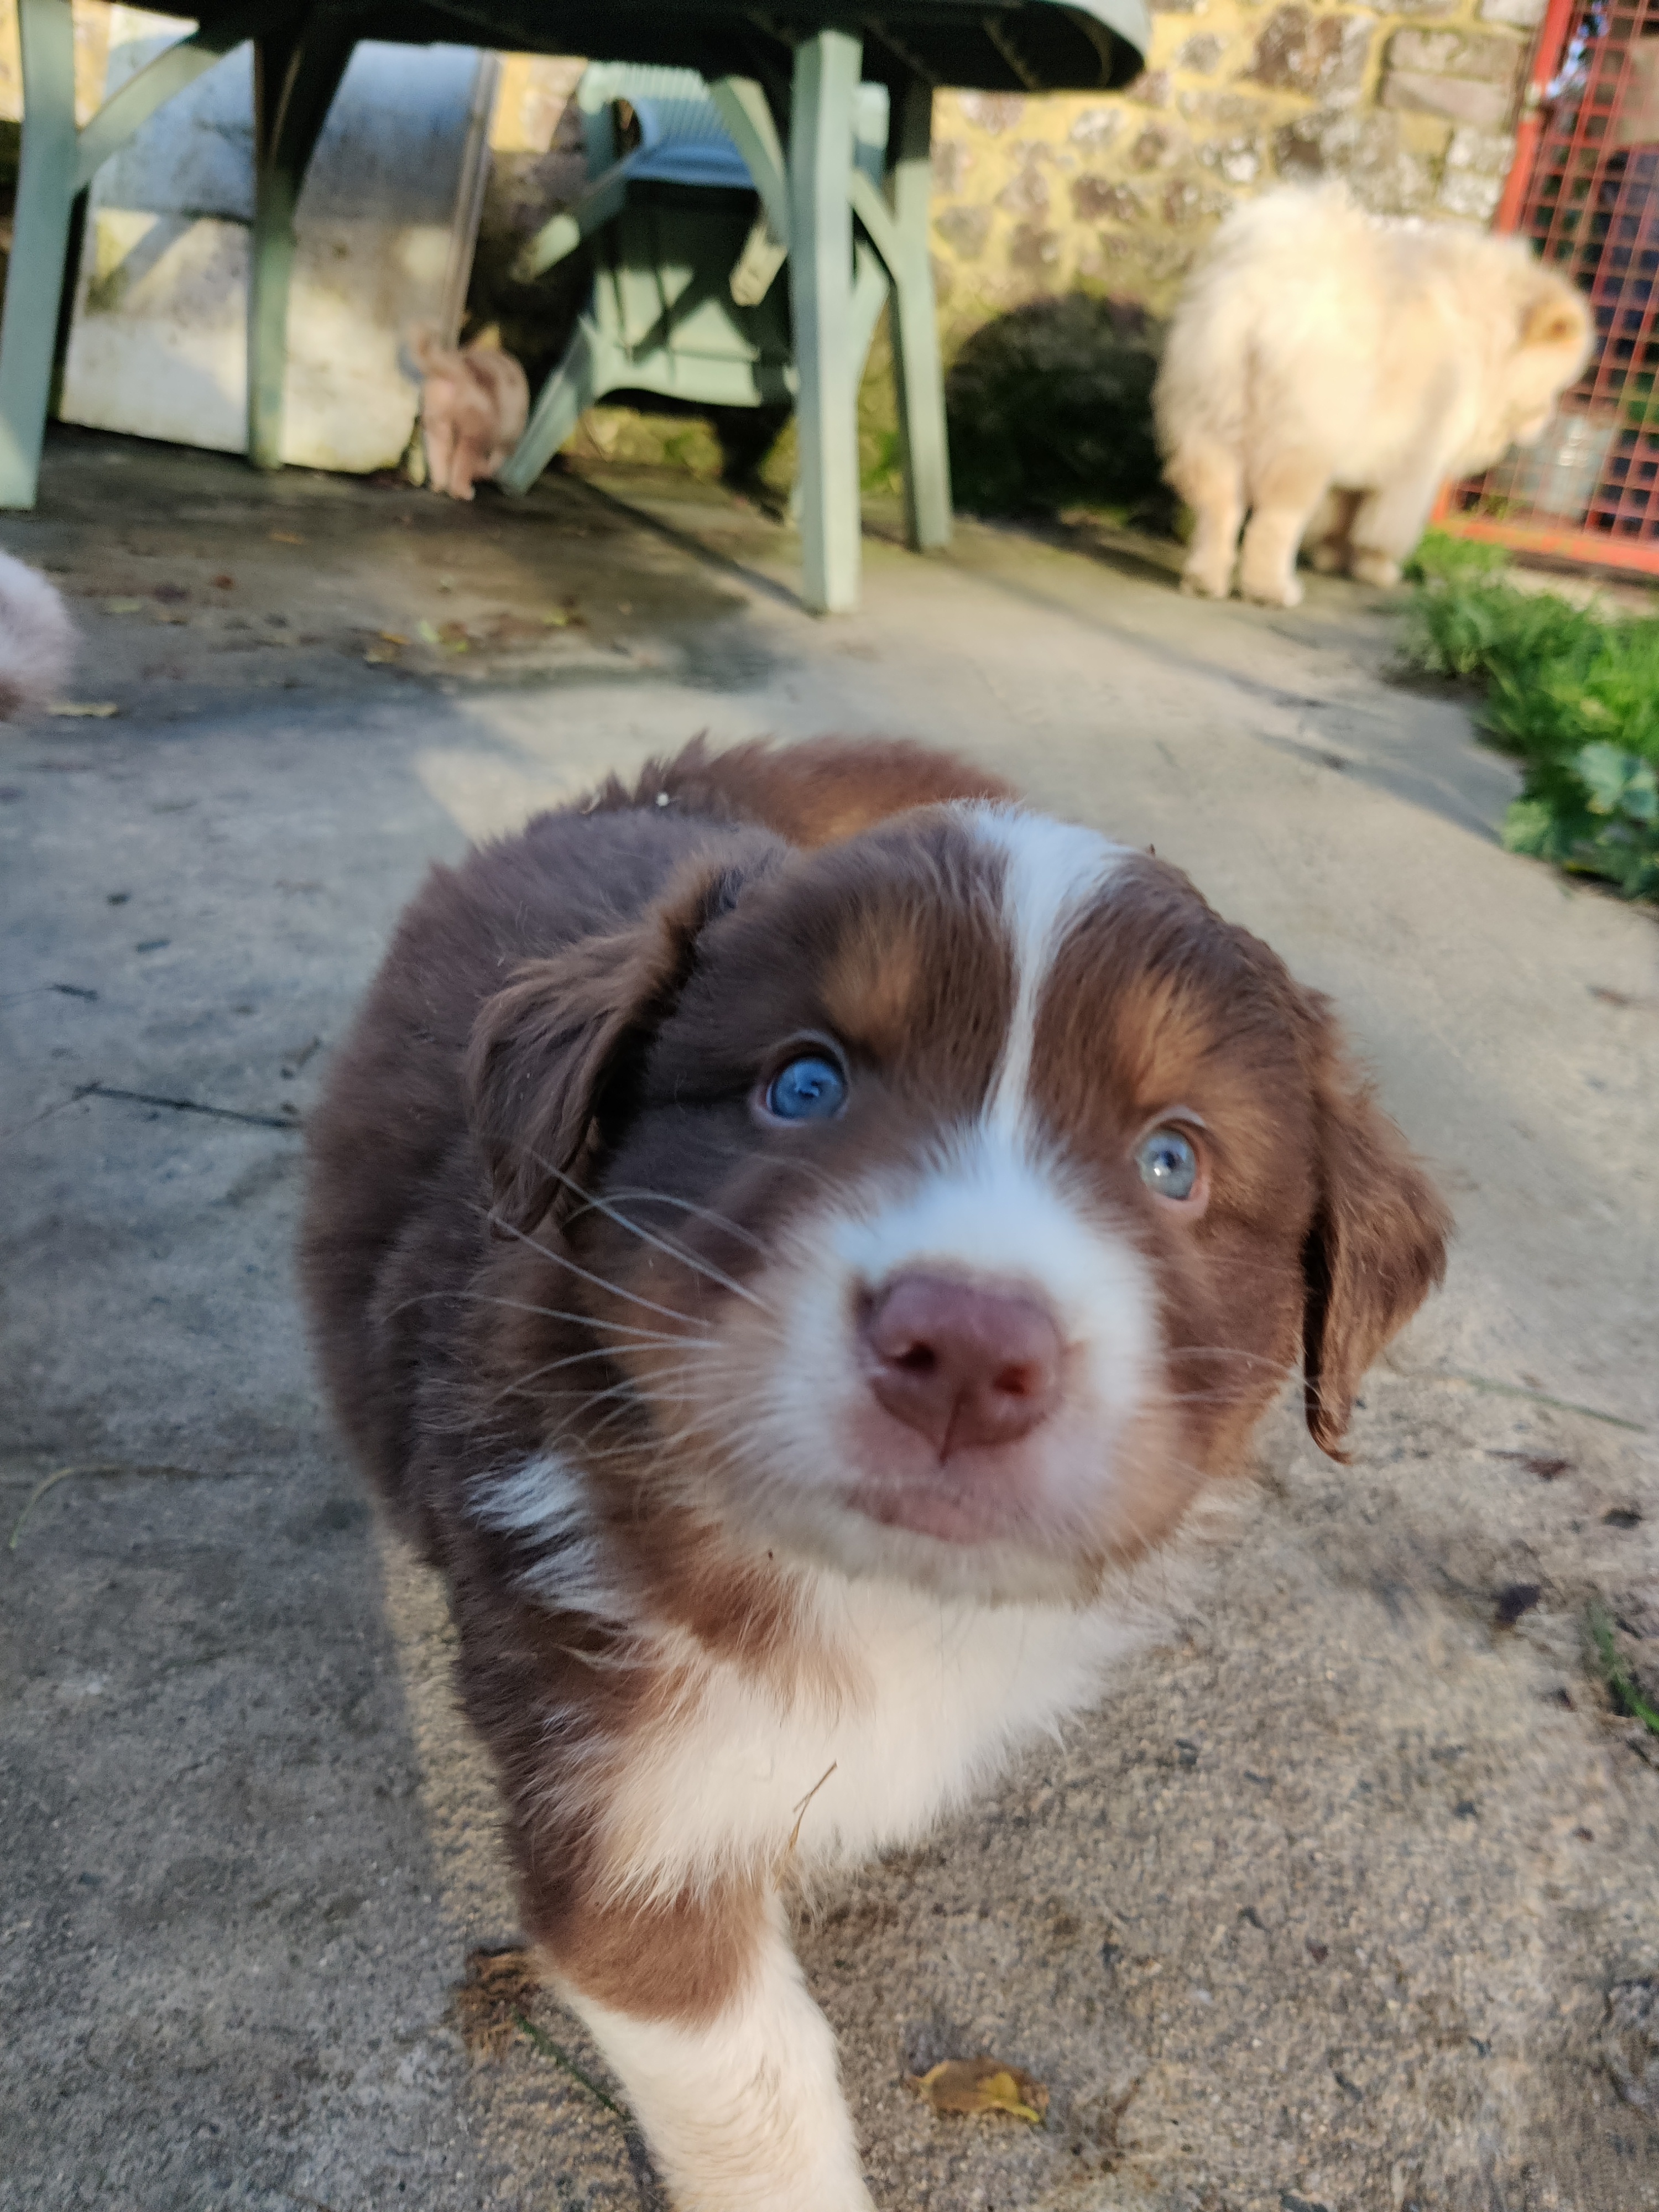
(687,301)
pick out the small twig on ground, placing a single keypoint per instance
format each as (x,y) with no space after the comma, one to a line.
(1626,1698)
(543,2043)
(101,1468)
(188,1106)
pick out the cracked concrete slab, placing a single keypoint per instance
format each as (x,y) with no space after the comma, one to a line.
(1332,1901)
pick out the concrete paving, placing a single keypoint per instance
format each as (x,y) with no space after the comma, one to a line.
(1338,1899)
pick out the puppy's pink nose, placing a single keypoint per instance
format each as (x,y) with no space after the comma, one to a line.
(961,1365)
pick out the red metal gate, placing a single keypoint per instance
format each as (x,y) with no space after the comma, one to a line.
(1584,187)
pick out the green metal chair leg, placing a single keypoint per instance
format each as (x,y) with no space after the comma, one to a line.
(296,73)
(34,279)
(821,284)
(571,389)
(916,365)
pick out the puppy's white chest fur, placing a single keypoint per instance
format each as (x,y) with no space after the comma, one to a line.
(903,1706)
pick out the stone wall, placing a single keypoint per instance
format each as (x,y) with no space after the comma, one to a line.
(1414,106)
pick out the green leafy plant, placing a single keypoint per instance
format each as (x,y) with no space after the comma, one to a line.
(1572,693)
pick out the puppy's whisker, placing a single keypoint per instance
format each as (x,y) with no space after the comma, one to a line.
(598,1282)
(664,1245)
(688,1206)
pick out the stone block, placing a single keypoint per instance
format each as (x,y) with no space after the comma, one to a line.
(1463,192)
(1201,54)
(964,230)
(1186,202)
(1296,50)
(1460,99)
(1158,146)
(1030,247)
(1237,158)
(992,111)
(1151,88)
(951,163)
(1367,148)
(1487,54)
(1096,197)
(1025,193)
(1095,127)
(1521,15)
(1487,153)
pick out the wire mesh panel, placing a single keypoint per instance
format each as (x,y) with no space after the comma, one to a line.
(1586,192)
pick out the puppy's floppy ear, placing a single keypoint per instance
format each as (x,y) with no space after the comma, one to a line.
(1376,1249)
(549,1052)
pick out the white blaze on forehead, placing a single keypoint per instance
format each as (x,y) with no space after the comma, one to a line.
(1051,871)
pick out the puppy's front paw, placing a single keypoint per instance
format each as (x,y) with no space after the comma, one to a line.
(1368,567)
(1272,591)
(1205,584)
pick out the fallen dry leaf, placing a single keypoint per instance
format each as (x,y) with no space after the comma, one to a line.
(981,2085)
(95,710)
(122,606)
(499,1985)
(391,637)
(286,538)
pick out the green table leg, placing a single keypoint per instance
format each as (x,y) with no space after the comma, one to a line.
(296,73)
(821,290)
(34,279)
(566,397)
(916,365)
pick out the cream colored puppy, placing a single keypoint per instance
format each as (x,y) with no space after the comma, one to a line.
(37,639)
(1328,370)
(475,401)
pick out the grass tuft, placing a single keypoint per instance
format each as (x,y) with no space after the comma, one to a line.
(1572,693)
(1626,1698)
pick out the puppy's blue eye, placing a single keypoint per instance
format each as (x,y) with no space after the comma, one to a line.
(810,1089)
(1168,1163)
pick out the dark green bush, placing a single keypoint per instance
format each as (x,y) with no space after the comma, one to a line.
(1050,406)
(1574,697)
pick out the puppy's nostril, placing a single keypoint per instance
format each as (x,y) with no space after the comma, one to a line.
(962,1364)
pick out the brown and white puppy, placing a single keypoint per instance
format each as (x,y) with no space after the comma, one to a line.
(474,402)
(1326,371)
(801,1218)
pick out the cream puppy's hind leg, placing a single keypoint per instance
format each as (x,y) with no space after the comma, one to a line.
(1389,525)
(1207,476)
(742,2107)
(1287,488)
(1328,542)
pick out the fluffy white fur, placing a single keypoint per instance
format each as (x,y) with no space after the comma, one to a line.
(745,2115)
(37,640)
(1328,370)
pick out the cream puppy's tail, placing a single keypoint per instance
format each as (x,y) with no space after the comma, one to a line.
(37,640)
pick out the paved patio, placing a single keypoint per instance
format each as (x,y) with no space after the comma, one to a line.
(1322,1909)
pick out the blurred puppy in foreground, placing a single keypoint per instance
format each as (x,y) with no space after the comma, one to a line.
(37,640)
(1326,371)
